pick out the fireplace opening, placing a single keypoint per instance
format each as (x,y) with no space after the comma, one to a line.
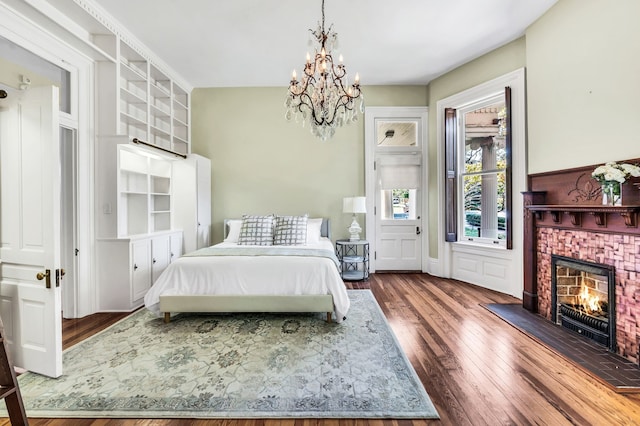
(583,294)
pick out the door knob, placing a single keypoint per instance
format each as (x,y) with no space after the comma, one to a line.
(46,274)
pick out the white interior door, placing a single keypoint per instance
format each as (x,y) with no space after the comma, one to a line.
(398,213)
(30,244)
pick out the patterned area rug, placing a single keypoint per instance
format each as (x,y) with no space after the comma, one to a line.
(236,366)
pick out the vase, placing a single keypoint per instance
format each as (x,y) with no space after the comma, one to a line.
(611,193)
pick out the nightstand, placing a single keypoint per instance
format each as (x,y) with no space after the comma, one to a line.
(354,259)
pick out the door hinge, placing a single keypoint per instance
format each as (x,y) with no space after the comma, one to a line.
(76,251)
(374,165)
(375,210)
(375,255)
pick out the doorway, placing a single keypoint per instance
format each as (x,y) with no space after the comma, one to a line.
(50,184)
(395,183)
(68,219)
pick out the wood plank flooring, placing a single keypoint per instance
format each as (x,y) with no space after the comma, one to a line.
(477,369)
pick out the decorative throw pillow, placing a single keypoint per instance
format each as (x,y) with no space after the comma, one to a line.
(314,226)
(290,231)
(256,231)
(233,230)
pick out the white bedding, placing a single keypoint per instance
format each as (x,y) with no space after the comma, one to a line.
(253,275)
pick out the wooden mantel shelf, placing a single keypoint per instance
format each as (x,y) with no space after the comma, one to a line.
(600,212)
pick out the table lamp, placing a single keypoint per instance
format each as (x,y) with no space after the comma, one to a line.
(354,205)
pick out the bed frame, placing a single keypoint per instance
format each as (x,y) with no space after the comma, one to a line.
(249,303)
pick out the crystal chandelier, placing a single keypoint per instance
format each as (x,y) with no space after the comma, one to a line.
(323,96)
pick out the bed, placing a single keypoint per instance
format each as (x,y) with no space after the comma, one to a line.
(229,277)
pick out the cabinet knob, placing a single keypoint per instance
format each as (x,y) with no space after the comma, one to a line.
(154,260)
(135,266)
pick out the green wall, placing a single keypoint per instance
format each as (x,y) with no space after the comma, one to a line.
(494,64)
(263,164)
(583,84)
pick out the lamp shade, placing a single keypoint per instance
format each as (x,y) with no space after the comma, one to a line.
(359,204)
(354,205)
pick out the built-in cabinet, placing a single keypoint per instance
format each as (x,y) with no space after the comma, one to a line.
(128,267)
(146,103)
(145,200)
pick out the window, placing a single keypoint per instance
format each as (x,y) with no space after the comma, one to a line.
(478,161)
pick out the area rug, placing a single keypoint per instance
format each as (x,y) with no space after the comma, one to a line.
(236,366)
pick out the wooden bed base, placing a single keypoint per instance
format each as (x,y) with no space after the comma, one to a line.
(258,303)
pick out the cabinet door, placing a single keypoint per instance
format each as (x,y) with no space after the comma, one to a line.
(176,246)
(141,269)
(160,255)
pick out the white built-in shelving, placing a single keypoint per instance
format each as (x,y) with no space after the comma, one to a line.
(137,96)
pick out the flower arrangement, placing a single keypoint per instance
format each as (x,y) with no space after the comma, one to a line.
(613,171)
(611,176)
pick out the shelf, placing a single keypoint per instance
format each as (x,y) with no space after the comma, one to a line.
(133,121)
(130,97)
(353,275)
(159,112)
(131,74)
(353,259)
(601,213)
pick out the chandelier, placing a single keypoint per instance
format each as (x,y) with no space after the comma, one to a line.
(323,96)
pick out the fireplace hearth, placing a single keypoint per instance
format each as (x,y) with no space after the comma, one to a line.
(584,296)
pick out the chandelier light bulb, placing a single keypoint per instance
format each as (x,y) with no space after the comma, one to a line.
(293,75)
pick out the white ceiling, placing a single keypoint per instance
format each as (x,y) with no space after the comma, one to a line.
(224,43)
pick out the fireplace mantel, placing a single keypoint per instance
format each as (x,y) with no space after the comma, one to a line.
(600,213)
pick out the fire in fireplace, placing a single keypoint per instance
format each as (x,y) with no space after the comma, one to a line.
(584,296)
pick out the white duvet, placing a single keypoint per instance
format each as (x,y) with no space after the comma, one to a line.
(253,275)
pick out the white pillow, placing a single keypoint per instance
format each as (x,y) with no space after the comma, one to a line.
(313,230)
(234,230)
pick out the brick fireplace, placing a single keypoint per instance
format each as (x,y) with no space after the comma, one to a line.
(564,217)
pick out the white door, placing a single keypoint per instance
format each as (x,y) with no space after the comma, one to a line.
(398,213)
(141,265)
(30,181)
(160,255)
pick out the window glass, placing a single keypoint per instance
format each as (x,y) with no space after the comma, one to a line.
(398,204)
(397,133)
(484,175)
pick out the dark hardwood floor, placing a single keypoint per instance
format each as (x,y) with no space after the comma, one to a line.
(477,369)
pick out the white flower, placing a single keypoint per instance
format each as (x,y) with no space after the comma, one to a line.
(631,169)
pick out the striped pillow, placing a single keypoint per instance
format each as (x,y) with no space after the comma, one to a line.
(290,231)
(256,231)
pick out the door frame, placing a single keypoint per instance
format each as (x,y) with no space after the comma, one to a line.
(21,30)
(371,115)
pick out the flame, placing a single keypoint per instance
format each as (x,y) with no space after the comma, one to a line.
(589,303)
